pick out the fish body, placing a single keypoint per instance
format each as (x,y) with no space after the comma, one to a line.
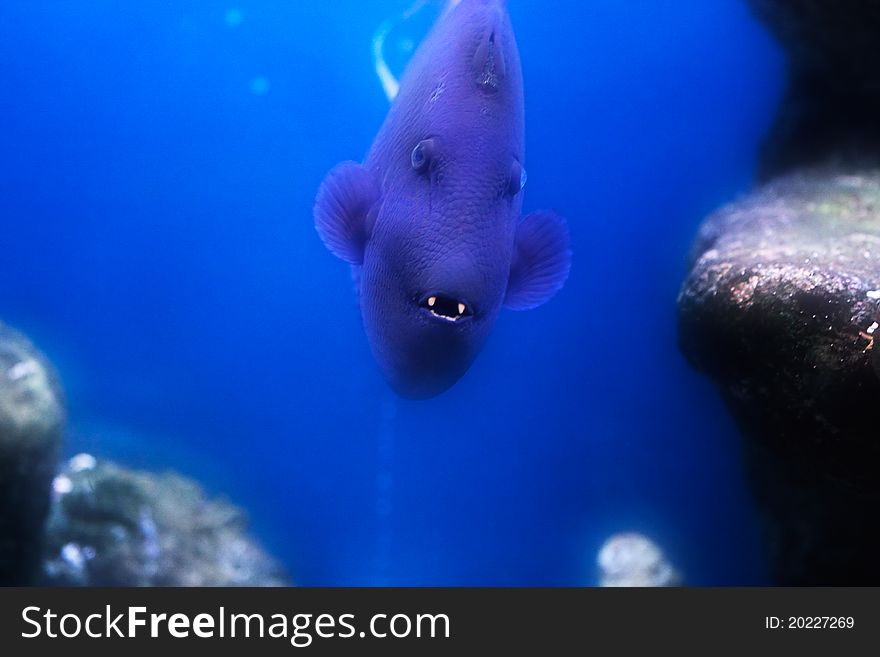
(431,220)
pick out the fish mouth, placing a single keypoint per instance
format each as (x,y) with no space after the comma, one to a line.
(446,308)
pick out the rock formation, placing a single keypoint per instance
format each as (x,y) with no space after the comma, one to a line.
(32,420)
(782,304)
(111,526)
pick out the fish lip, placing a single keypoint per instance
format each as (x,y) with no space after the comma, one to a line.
(439,319)
(422,303)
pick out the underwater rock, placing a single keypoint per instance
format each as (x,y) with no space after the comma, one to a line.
(632,559)
(833,100)
(32,417)
(111,526)
(781,308)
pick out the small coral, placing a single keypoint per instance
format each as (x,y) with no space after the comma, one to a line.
(632,559)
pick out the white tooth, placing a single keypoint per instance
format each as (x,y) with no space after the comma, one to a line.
(461,309)
(432,302)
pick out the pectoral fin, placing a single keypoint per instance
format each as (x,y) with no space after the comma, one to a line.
(343,209)
(541,261)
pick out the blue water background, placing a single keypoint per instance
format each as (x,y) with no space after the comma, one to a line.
(158,163)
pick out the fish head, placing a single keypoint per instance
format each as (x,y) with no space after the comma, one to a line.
(436,266)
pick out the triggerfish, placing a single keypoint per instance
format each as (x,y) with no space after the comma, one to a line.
(431,221)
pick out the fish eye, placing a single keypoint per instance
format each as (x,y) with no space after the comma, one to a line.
(421,155)
(518,178)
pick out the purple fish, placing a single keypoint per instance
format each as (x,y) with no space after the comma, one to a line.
(431,221)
